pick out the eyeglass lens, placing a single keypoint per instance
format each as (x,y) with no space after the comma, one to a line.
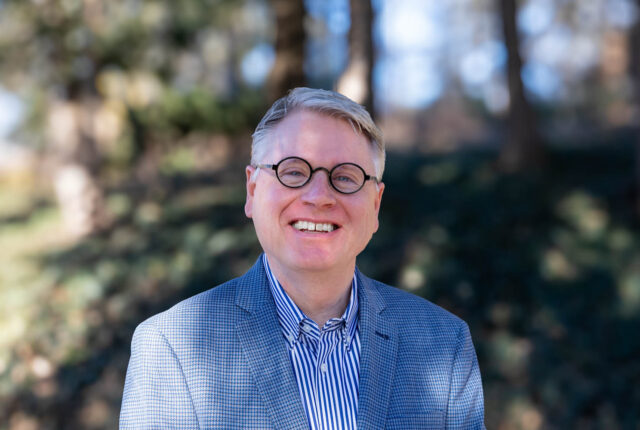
(295,172)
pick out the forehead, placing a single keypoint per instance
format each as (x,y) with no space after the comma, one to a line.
(320,138)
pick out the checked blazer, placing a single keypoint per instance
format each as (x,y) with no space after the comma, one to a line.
(219,361)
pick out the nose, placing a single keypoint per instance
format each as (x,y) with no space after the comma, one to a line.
(318,191)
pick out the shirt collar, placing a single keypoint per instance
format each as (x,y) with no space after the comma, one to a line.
(292,319)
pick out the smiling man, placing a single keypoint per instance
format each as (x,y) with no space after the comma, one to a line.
(304,340)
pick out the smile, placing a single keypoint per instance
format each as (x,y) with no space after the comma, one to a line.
(311,226)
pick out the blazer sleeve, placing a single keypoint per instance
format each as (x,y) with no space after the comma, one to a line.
(156,395)
(466,400)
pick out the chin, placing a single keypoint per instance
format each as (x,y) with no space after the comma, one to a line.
(314,260)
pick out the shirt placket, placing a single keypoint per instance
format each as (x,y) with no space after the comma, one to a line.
(329,340)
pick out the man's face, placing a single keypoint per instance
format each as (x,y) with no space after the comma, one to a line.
(324,142)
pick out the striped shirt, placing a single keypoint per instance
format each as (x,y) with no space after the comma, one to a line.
(326,362)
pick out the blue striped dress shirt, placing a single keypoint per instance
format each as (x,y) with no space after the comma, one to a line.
(326,362)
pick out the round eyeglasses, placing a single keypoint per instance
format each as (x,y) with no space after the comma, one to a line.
(296,172)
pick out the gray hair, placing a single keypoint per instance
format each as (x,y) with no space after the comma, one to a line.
(325,102)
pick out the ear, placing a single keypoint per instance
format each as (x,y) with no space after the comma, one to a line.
(251,188)
(379,196)
(376,203)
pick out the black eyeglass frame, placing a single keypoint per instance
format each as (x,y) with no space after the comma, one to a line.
(274,167)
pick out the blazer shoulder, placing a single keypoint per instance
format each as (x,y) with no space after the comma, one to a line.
(216,302)
(408,308)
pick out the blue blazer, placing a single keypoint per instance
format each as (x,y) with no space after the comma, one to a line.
(219,361)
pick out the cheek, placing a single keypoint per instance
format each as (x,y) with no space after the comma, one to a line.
(375,224)
(270,203)
(371,215)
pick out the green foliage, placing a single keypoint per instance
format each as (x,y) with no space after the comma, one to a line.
(544,269)
(156,65)
(199,110)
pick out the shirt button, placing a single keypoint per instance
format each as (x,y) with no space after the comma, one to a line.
(323,367)
(306,328)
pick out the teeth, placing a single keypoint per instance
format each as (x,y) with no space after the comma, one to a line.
(310,226)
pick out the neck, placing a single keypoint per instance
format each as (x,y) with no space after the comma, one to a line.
(320,295)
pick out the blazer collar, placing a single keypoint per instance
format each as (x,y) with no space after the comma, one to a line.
(379,340)
(252,292)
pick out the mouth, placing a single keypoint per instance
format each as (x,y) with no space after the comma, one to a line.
(309,226)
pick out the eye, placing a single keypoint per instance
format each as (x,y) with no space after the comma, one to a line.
(293,172)
(348,175)
(344,178)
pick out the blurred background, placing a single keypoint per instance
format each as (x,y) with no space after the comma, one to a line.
(513,133)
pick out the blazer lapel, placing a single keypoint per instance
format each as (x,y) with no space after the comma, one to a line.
(377,357)
(266,352)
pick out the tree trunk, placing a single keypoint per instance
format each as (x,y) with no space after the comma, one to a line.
(634,71)
(356,81)
(524,148)
(76,158)
(288,69)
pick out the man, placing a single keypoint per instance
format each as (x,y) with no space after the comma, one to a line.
(304,340)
